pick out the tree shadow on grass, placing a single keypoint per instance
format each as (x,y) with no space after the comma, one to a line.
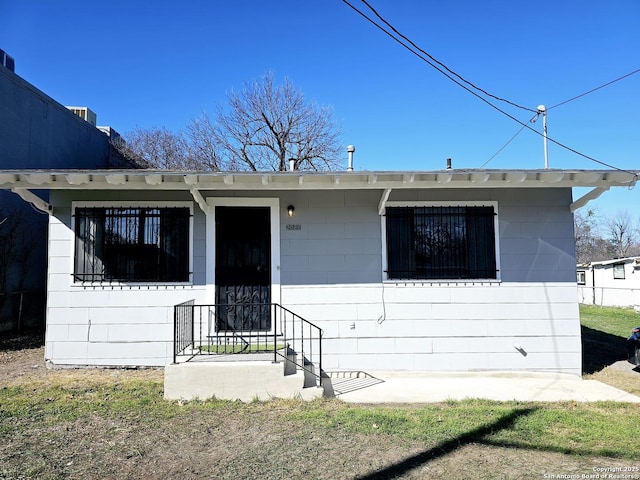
(473,436)
(600,349)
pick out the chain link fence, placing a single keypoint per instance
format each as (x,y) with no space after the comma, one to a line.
(609,296)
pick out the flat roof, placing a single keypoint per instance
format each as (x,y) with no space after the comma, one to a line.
(613,261)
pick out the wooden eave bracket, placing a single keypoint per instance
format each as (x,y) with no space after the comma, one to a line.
(197,196)
(33,199)
(587,197)
(383,200)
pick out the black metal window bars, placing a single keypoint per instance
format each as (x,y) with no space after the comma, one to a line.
(132,244)
(441,243)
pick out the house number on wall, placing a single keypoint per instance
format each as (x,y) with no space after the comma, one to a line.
(294,227)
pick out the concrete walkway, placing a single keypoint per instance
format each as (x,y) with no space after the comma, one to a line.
(413,387)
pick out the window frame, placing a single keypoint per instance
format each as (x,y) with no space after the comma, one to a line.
(581,277)
(132,205)
(428,204)
(616,273)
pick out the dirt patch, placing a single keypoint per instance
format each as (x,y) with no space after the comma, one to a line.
(233,443)
(22,360)
(21,356)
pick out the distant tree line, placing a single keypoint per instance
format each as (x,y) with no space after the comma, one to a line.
(263,127)
(600,238)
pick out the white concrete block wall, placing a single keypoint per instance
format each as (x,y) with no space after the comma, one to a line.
(439,325)
(115,325)
(338,240)
(331,274)
(418,327)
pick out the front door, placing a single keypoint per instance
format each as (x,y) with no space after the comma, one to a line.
(243,268)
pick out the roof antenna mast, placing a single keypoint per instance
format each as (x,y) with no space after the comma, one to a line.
(543,110)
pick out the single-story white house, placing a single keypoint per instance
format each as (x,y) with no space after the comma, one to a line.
(613,283)
(451,270)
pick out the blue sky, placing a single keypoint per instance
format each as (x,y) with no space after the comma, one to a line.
(143,64)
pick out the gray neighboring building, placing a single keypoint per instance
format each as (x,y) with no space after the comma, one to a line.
(36,132)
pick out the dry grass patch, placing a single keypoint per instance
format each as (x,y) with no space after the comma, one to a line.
(627,379)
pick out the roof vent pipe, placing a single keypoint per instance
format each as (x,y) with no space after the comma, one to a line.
(448,164)
(350,150)
(292,164)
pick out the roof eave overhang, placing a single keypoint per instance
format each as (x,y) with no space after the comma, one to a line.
(381,180)
(634,260)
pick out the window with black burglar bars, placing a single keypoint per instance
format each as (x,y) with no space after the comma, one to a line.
(132,244)
(441,243)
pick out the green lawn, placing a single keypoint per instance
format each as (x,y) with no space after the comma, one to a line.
(604,335)
(106,424)
(592,429)
(611,320)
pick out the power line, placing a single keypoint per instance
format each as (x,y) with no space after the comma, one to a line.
(594,89)
(436,60)
(557,105)
(426,60)
(502,147)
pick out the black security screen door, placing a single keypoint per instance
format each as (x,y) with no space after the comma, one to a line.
(243,268)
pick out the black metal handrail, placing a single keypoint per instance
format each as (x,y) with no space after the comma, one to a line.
(303,338)
(183,337)
(242,328)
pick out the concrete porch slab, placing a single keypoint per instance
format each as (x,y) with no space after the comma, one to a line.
(416,387)
(237,380)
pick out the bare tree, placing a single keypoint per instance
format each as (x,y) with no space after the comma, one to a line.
(158,148)
(596,239)
(266,125)
(589,243)
(262,128)
(203,148)
(623,233)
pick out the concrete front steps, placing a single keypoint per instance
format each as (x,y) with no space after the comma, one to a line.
(237,380)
